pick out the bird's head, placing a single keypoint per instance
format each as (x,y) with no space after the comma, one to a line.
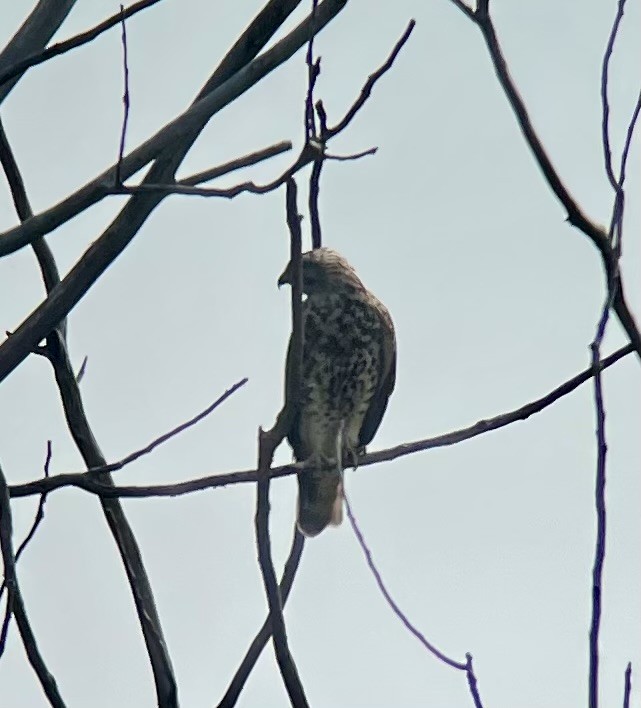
(324,272)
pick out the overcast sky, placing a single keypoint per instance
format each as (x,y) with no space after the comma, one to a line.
(488,545)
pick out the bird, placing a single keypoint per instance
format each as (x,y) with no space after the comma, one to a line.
(348,374)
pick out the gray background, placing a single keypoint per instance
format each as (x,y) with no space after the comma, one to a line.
(488,545)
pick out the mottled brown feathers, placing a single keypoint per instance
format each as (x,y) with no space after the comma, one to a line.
(349,369)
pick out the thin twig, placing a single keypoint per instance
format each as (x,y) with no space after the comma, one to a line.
(605,105)
(86,482)
(353,156)
(411,628)
(15,604)
(114,466)
(268,441)
(461,666)
(40,514)
(246,161)
(77,41)
(314,215)
(265,632)
(125,95)
(369,85)
(313,71)
(627,688)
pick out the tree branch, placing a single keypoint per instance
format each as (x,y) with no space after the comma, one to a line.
(118,235)
(34,34)
(177,136)
(481,17)
(265,632)
(77,41)
(56,353)
(268,441)
(88,483)
(15,603)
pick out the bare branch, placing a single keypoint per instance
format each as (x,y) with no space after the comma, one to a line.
(605,106)
(268,441)
(114,466)
(56,352)
(246,161)
(125,96)
(627,689)
(87,483)
(265,632)
(227,83)
(15,603)
(118,235)
(62,47)
(575,215)
(353,156)
(40,514)
(314,215)
(369,85)
(34,34)
(411,628)
(461,666)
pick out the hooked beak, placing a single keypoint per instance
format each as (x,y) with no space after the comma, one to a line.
(285,277)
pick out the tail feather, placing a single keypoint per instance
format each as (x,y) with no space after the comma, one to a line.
(320,500)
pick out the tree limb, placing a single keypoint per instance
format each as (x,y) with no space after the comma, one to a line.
(15,603)
(268,441)
(86,481)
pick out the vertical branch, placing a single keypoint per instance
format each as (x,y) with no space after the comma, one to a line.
(627,689)
(15,603)
(268,441)
(78,424)
(265,632)
(125,95)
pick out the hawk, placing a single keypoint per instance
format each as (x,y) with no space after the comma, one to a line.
(349,371)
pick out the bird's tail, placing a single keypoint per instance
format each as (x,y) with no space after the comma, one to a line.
(320,500)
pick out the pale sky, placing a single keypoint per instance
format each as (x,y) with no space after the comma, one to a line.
(488,545)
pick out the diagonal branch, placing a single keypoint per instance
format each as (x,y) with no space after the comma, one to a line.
(265,632)
(15,602)
(87,482)
(34,34)
(119,234)
(82,434)
(268,441)
(229,81)
(481,17)
(83,38)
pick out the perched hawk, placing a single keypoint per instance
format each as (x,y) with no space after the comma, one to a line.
(349,369)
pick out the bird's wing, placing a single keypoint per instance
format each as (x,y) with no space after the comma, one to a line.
(387,377)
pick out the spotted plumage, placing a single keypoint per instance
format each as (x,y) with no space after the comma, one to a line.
(349,368)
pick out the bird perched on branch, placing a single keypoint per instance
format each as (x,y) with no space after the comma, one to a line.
(348,374)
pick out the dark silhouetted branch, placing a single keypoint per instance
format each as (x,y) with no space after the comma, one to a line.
(627,688)
(240,162)
(55,351)
(40,514)
(114,466)
(268,441)
(123,229)
(126,99)
(62,47)
(411,628)
(575,215)
(15,604)
(265,632)
(34,34)
(240,70)
(369,85)
(86,482)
